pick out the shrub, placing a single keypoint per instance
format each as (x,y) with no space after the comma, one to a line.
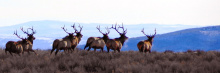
(125,61)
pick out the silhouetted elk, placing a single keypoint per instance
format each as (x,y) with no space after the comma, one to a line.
(117,43)
(146,45)
(64,43)
(77,38)
(30,39)
(97,42)
(16,47)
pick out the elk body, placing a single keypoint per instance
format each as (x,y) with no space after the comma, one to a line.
(30,39)
(145,45)
(16,47)
(117,43)
(97,42)
(64,43)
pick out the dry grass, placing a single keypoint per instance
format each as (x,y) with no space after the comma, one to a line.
(129,61)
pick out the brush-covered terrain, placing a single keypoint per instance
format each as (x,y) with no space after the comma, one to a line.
(81,61)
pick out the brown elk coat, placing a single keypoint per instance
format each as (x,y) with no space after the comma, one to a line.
(144,45)
(16,47)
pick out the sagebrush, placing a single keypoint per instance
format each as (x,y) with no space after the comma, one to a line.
(81,61)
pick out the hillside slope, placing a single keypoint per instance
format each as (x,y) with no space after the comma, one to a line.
(206,38)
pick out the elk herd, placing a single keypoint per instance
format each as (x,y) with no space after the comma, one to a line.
(70,42)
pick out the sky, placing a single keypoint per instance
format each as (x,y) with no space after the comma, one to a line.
(186,12)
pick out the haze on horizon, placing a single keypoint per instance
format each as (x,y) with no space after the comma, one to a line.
(186,12)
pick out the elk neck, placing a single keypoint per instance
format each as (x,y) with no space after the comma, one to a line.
(31,40)
(105,38)
(79,36)
(122,40)
(149,40)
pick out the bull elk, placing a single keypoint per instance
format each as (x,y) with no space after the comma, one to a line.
(145,45)
(30,39)
(16,47)
(77,38)
(117,43)
(64,43)
(97,42)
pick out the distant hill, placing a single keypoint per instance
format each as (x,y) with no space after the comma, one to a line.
(49,30)
(205,38)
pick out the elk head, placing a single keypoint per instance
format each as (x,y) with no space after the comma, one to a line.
(123,36)
(150,37)
(105,35)
(24,40)
(78,33)
(31,35)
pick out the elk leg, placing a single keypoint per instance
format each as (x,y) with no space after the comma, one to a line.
(56,51)
(73,48)
(33,51)
(68,50)
(94,49)
(149,51)
(108,49)
(5,51)
(118,50)
(52,50)
(86,46)
(11,53)
(65,50)
(28,52)
(89,48)
(115,50)
(145,51)
(102,49)
(19,54)
(142,48)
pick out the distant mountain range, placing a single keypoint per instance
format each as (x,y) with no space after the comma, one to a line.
(205,38)
(185,36)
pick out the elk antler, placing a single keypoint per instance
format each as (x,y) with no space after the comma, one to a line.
(74,28)
(26,32)
(148,35)
(33,32)
(143,32)
(115,28)
(65,29)
(124,31)
(155,32)
(80,28)
(15,33)
(108,31)
(76,31)
(98,27)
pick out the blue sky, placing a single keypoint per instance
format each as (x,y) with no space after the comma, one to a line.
(187,12)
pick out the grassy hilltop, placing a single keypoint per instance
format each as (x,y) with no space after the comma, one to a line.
(127,61)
